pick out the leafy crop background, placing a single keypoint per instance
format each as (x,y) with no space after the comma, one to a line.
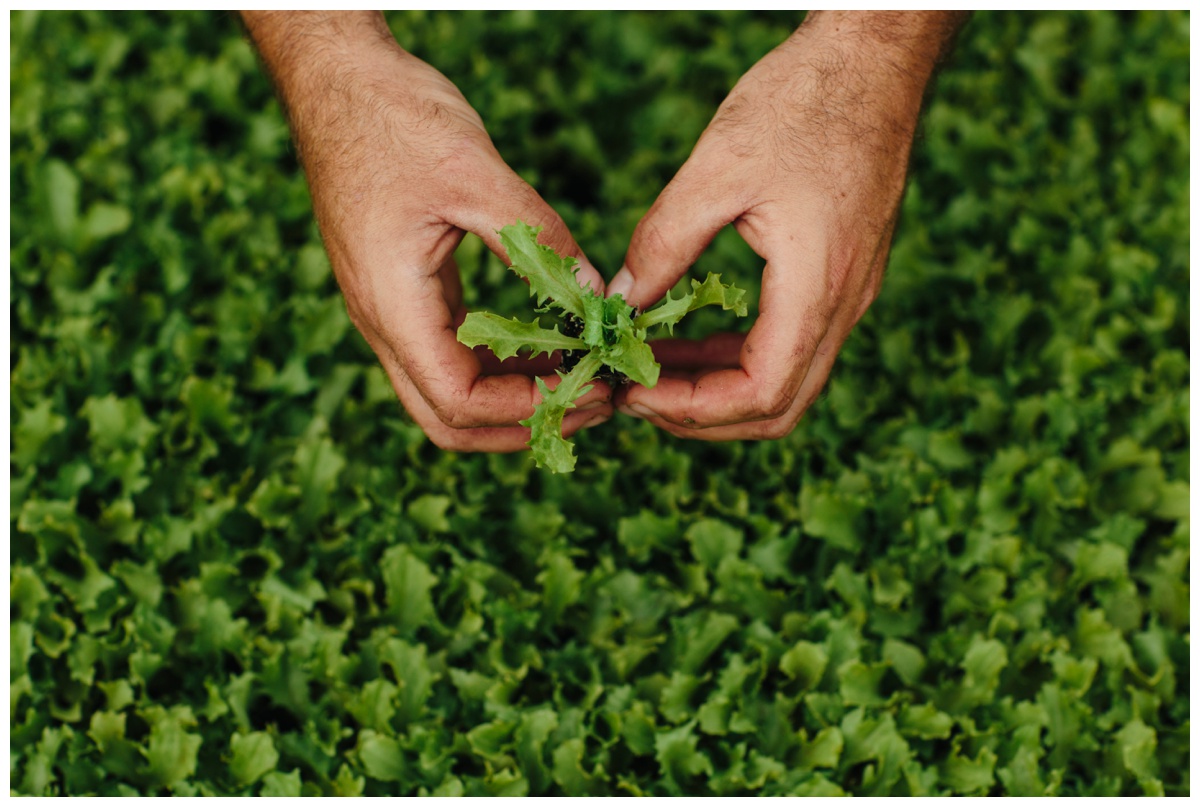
(237,567)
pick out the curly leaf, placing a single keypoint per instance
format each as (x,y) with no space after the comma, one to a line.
(550,275)
(625,350)
(550,450)
(507,336)
(711,292)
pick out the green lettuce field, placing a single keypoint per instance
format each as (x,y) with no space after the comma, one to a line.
(237,567)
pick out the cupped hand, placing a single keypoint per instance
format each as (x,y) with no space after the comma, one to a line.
(807,159)
(400,168)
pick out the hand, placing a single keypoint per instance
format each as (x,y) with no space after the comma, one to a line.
(807,158)
(400,167)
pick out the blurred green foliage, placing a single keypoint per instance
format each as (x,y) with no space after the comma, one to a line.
(237,567)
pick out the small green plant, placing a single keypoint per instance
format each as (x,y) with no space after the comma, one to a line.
(611,332)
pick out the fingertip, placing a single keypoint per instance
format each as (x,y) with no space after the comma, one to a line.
(590,278)
(621,284)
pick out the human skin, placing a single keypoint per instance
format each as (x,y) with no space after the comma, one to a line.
(400,167)
(807,159)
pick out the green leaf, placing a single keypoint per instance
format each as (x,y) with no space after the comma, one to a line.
(969,776)
(507,337)
(347,784)
(106,729)
(804,663)
(252,756)
(635,359)
(104,220)
(374,705)
(550,276)
(859,683)
(409,583)
(823,751)
(833,517)
(281,785)
(381,757)
(983,663)
(62,196)
(1020,776)
(33,430)
(702,637)
(713,540)
(906,660)
(926,722)
(39,767)
(710,292)
(675,703)
(550,450)
(530,740)
(679,760)
(491,741)
(429,513)
(318,465)
(273,502)
(1137,743)
(568,769)
(621,345)
(116,423)
(172,751)
(561,586)
(641,534)
(412,670)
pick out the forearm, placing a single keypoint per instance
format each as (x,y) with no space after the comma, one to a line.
(309,54)
(898,48)
(297,42)
(916,40)
(844,86)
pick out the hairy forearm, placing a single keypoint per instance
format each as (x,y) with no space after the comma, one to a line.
(848,82)
(311,54)
(902,46)
(297,42)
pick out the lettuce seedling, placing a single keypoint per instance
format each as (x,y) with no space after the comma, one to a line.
(599,333)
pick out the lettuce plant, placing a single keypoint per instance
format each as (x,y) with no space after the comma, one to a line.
(597,333)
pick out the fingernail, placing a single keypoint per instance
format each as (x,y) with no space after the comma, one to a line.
(622,284)
(593,406)
(596,421)
(637,410)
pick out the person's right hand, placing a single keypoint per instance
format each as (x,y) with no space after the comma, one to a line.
(400,167)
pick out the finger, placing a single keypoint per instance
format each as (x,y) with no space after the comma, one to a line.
(771,365)
(769,429)
(423,350)
(495,439)
(717,350)
(506,199)
(542,364)
(679,226)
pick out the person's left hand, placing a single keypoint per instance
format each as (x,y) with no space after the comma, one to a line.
(807,159)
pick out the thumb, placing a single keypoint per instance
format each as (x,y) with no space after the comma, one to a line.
(515,200)
(679,226)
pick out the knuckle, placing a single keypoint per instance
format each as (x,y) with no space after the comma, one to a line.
(452,413)
(773,401)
